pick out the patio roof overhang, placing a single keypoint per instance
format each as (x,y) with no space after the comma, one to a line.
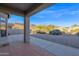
(22,8)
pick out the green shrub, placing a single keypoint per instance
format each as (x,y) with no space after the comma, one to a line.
(55,32)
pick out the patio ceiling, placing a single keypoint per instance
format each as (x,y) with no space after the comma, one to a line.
(22,8)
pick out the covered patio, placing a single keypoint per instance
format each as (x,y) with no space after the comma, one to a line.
(25,44)
(23,47)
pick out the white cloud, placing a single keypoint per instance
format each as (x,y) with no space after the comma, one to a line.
(56,13)
(75,12)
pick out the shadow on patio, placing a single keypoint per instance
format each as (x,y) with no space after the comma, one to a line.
(16,47)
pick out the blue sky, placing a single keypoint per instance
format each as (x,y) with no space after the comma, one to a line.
(59,14)
(62,14)
(15,19)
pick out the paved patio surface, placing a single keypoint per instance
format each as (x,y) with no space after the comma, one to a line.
(37,47)
(18,48)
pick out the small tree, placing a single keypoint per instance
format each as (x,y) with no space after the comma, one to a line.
(55,32)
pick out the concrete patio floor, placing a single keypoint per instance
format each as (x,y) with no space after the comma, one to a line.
(37,47)
(16,47)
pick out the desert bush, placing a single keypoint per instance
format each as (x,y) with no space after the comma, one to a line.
(55,32)
(41,32)
(77,33)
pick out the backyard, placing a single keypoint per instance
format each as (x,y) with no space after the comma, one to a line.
(68,40)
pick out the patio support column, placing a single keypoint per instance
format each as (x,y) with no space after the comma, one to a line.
(6,27)
(26,29)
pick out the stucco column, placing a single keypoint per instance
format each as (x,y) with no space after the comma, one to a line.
(6,27)
(26,29)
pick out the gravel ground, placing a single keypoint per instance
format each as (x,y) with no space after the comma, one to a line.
(72,41)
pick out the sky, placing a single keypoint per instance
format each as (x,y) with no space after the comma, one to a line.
(61,14)
(16,19)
